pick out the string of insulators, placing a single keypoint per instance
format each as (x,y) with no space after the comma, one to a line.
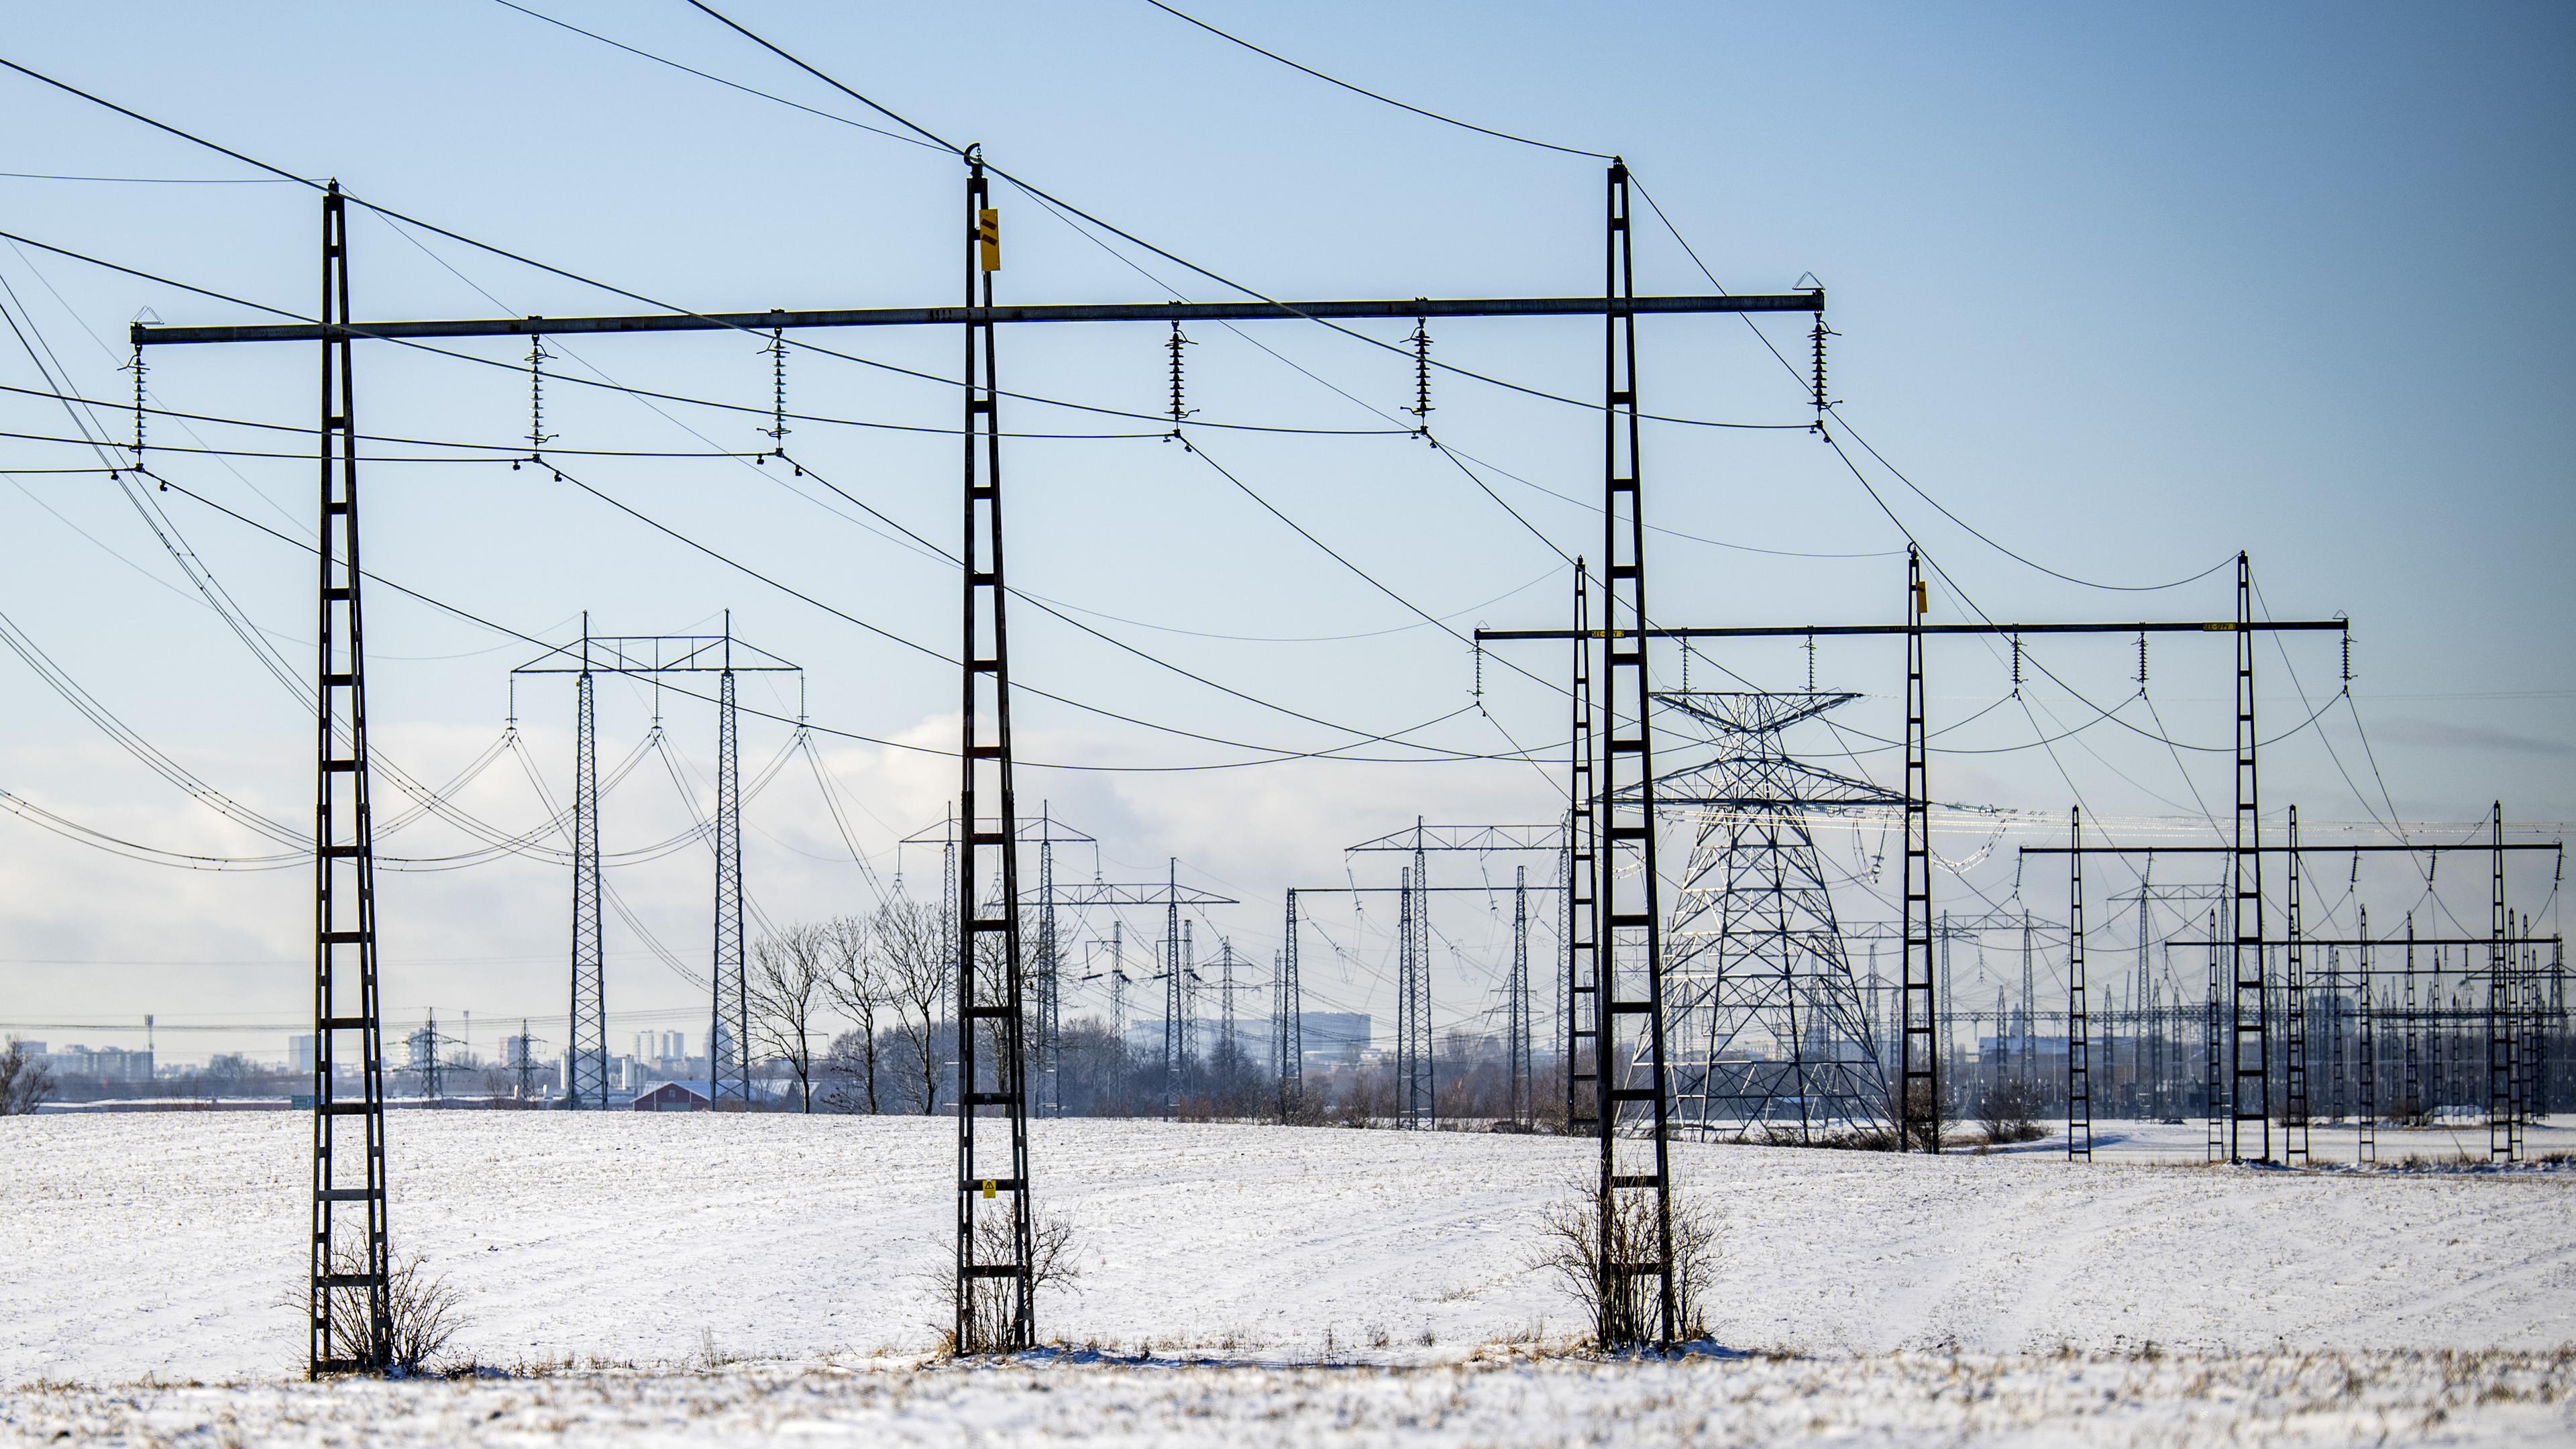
(538,437)
(2142,663)
(1178,341)
(140,444)
(1811,664)
(2347,656)
(777,430)
(1421,340)
(2016,643)
(1480,676)
(1816,372)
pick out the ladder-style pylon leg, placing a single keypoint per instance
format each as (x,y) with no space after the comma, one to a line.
(2079,1043)
(1918,1108)
(1635,1250)
(994,1312)
(1288,1026)
(1518,1005)
(2294,1024)
(729,1026)
(1582,918)
(349,1314)
(2249,1136)
(2499,1023)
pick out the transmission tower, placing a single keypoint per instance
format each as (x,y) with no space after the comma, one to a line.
(651,657)
(348,1313)
(992,1085)
(1415,1073)
(1763,1006)
(1288,1017)
(1517,1008)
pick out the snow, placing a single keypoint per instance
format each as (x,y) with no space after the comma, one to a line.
(1335,1276)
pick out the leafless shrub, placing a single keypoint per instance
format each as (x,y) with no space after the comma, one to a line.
(2009,1111)
(991,1304)
(25,1083)
(422,1309)
(1624,1306)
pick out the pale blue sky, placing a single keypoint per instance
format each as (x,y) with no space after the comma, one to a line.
(2127,289)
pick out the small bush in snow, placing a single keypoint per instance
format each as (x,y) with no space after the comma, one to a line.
(1624,1307)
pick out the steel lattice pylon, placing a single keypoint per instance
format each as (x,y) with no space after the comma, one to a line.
(1771,1038)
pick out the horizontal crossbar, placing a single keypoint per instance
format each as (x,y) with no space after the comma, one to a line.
(1821,631)
(1814,301)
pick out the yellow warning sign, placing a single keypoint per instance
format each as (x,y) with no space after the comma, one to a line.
(991,1186)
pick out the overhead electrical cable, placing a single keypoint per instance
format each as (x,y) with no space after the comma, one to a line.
(1364,91)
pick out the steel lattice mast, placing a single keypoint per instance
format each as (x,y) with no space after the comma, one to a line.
(729,1020)
(1758,980)
(586,1071)
(1635,1248)
(349,1315)
(994,1311)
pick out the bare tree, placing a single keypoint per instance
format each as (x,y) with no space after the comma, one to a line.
(858,983)
(422,1310)
(991,1304)
(1624,1307)
(914,951)
(25,1082)
(788,971)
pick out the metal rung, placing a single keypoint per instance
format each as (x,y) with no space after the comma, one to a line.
(983,493)
(345,1023)
(993,1270)
(978,1013)
(984,752)
(1000,1184)
(340,766)
(991,1099)
(344,1194)
(984,578)
(348,1109)
(1624,571)
(979,405)
(985,666)
(346,938)
(1637,1270)
(334,507)
(1623,395)
(1627,832)
(339,680)
(1632,918)
(341,851)
(990,837)
(337,1365)
(336,595)
(345,1280)
(990,923)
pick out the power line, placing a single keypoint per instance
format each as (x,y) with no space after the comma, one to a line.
(1364,91)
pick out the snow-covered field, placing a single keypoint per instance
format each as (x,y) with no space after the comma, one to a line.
(760,1277)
